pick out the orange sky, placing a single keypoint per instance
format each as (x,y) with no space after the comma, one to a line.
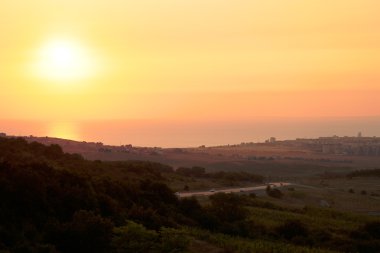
(199,59)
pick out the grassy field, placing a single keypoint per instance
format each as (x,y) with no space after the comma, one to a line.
(360,195)
(221,243)
(334,228)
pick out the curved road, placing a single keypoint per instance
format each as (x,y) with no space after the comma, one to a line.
(231,190)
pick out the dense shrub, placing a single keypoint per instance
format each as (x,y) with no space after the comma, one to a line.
(230,176)
(86,232)
(364,173)
(293,230)
(134,237)
(228,207)
(274,193)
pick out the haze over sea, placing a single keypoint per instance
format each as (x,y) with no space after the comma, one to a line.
(193,133)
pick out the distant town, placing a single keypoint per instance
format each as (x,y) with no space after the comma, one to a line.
(351,146)
(348,145)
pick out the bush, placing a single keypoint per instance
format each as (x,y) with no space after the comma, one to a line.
(373,229)
(86,232)
(293,230)
(173,241)
(134,237)
(228,207)
(191,172)
(274,193)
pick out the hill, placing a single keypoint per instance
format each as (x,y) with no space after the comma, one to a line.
(53,201)
(280,159)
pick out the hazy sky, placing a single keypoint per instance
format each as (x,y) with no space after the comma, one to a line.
(188,60)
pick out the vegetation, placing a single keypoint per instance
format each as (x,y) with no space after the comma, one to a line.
(57,202)
(200,172)
(273,192)
(365,173)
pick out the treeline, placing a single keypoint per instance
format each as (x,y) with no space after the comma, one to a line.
(365,173)
(200,172)
(56,202)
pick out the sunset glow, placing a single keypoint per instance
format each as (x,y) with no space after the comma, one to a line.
(189,60)
(64,130)
(63,62)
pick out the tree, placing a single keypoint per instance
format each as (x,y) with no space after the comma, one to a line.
(87,232)
(135,238)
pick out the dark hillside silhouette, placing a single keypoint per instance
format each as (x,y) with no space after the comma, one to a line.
(57,202)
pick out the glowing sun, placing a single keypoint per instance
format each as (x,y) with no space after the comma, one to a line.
(64,60)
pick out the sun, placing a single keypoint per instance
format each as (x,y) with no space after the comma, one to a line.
(64,60)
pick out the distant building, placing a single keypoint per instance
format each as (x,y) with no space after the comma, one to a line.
(360,135)
(272,139)
(3,135)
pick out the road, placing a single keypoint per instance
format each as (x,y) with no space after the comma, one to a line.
(231,190)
